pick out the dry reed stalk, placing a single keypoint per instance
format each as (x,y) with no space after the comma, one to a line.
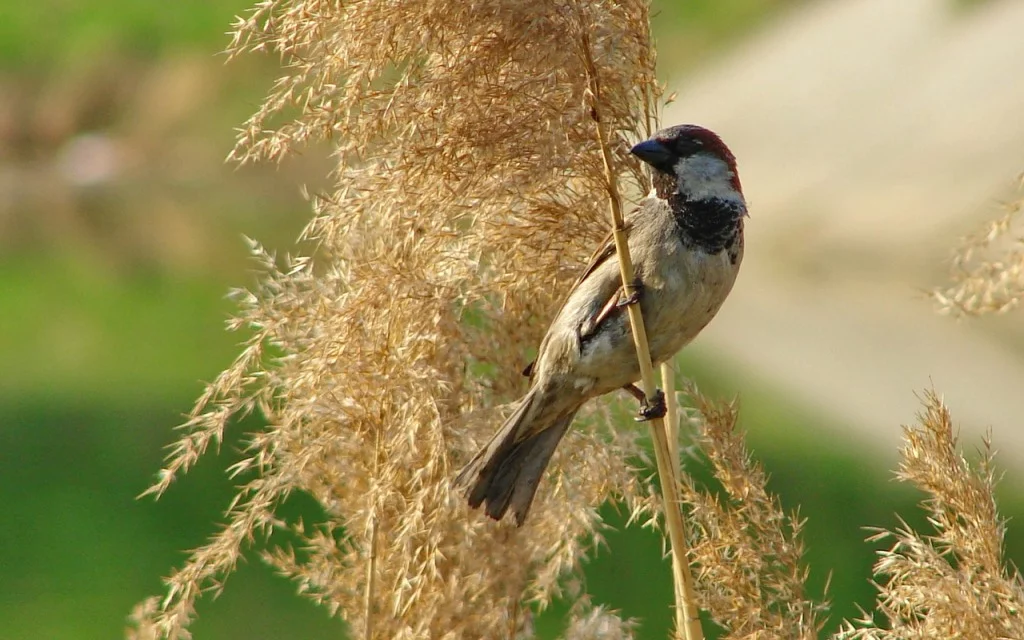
(687,616)
(672,417)
(687,611)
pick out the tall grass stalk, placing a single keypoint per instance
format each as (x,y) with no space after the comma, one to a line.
(665,449)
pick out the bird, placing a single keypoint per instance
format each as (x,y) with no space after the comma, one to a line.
(686,242)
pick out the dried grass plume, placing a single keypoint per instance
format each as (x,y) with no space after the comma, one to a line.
(953,582)
(988,269)
(747,550)
(467,169)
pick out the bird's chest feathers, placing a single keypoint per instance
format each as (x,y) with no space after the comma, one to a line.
(683,284)
(678,287)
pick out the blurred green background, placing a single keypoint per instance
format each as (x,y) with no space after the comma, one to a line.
(120,233)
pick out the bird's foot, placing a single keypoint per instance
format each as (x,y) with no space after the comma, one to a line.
(632,298)
(652,410)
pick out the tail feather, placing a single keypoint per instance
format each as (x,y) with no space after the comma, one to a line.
(505,474)
(515,482)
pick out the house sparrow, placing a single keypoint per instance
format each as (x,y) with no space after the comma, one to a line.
(686,241)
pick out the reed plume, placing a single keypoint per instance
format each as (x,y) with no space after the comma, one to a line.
(988,269)
(747,549)
(954,581)
(470,189)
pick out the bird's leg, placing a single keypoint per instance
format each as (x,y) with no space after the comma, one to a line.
(617,301)
(635,392)
(648,411)
(652,410)
(632,298)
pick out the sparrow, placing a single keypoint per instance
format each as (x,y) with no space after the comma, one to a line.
(686,242)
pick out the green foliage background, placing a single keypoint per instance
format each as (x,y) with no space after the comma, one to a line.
(103,351)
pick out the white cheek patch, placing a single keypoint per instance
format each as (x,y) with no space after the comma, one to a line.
(703,176)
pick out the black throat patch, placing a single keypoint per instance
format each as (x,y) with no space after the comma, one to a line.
(711,224)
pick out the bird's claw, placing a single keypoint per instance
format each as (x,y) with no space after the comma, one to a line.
(653,410)
(632,298)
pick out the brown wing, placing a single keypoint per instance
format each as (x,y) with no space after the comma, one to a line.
(604,251)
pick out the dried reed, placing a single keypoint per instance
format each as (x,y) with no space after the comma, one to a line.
(470,189)
(988,269)
(954,582)
(747,549)
(666,451)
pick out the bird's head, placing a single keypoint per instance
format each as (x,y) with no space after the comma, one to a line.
(692,162)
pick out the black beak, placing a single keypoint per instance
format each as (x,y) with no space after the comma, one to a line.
(653,153)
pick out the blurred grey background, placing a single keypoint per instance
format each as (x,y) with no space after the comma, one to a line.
(872,136)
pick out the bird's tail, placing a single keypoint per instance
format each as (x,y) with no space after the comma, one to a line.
(506,472)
